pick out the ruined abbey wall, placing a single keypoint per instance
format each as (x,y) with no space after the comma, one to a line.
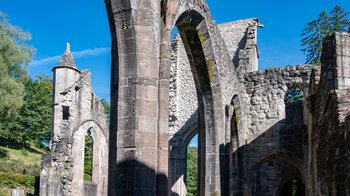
(250,141)
(76,110)
(328,128)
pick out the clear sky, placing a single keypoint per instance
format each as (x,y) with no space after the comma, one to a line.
(84,24)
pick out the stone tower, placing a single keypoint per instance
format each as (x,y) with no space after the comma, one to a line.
(76,111)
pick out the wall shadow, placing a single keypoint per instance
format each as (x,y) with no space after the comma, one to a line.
(135,178)
(224,151)
(286,140)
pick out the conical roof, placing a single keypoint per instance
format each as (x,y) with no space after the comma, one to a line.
(67,59)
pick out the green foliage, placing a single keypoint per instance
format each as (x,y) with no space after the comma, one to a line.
(294,95)
(192,170)
(11,94)
(88,151)
(15,55)
(23,102)
(12,180)
(15,51)
(33,122)
(294,187)
(107,108)
(315,30)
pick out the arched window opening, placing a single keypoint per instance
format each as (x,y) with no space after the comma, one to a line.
(77,94)
(273,177)
(293,100)
(294,95)
(192,167)
(88,155)
(293,187)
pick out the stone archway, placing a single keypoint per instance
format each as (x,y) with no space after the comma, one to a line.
(177,159)
(140,84)
(100,156)
(283,157)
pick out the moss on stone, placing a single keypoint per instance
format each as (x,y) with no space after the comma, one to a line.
(186,20)
(211,73)
(203,37)
(236,114)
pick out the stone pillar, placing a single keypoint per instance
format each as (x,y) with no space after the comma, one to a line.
(135,99)
(163,114)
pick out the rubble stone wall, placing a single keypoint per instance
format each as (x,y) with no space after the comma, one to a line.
(76,110)
(329,103)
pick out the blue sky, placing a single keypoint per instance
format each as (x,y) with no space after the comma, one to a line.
(84,24)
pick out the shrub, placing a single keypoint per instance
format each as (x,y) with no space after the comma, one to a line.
(13,180)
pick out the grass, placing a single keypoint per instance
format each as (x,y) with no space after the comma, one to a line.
(4,192)
(22,161)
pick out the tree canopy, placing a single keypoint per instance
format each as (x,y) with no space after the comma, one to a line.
(325,25)
(25,103)
(15,55)
(34,119)
(192,170)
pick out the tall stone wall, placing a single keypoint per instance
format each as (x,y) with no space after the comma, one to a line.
(262,97)
(238,38)
(76,110)
(263,131)
(183,103)
(239,107)
(329,103)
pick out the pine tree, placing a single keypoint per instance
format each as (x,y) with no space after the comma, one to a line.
(313,34)
(315,30)
(338,21)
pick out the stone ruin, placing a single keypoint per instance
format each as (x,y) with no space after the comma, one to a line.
(76,111)
(205,81)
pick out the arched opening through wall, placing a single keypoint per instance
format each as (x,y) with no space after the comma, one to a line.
(193,97)
(183,116)
(88,157)
(293,101)
(277,177)
(192,167)
(292,186)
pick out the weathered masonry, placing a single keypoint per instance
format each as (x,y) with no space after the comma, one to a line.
(250,141)
(205,81)
(76,111)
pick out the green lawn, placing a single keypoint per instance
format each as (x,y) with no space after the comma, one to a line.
(20,161)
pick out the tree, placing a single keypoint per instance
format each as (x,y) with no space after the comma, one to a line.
(11,94)
(192,170)
(294,95)
(315,30)
(15,55)
(34,119)
(88,156)
(107,108)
